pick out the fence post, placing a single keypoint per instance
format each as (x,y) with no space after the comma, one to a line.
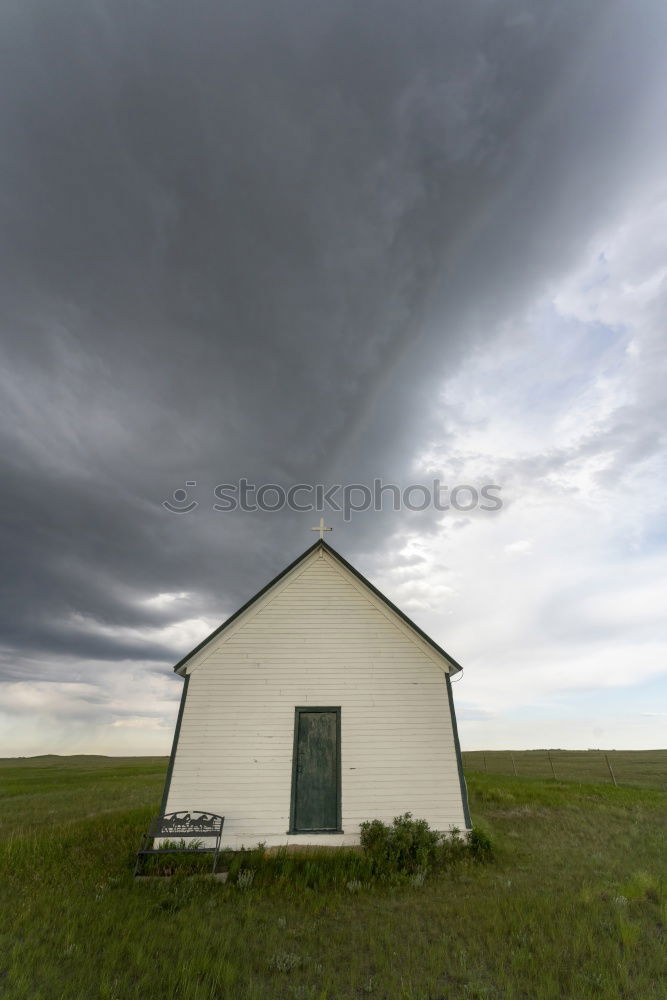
(552,764)
(613,776)
(485,762)
(514,765)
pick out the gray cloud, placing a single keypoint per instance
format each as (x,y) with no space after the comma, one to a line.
(250,239)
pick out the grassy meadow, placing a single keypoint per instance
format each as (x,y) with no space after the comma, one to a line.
(626,767)
(574,904)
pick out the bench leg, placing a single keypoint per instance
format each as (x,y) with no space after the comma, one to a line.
(138,861)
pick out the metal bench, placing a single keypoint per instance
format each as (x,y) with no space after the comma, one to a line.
(182,825)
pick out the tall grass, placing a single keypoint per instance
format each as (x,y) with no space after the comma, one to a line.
(574,906)
(623,767)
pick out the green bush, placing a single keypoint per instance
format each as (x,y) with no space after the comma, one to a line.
(452,849)
(480,845)
(409,846)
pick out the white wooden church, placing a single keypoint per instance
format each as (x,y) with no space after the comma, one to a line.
(316,706)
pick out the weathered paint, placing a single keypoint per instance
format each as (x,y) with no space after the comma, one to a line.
(316,784)
(319,638)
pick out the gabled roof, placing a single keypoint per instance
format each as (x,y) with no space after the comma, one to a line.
(320,543)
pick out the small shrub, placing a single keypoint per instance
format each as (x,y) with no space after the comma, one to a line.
(245,878)
(479,845)
(405,847)
(410,848)
(453,849)
(285,961)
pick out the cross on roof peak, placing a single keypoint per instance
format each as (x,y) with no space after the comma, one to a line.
(321,528)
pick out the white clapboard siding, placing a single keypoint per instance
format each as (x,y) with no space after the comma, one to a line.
(321,638)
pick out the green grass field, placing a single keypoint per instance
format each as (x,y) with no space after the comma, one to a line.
(626,767)
(574,905)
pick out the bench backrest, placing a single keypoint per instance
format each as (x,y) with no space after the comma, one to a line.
(186,824)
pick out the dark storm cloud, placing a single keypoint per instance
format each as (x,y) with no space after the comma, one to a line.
(246,239)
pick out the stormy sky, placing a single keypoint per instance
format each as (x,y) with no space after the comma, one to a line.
(326,243)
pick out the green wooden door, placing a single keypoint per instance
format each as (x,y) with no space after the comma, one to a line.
(316,770)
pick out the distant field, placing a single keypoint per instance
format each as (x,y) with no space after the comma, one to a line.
(627,767)
(37,792)
(573,907)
